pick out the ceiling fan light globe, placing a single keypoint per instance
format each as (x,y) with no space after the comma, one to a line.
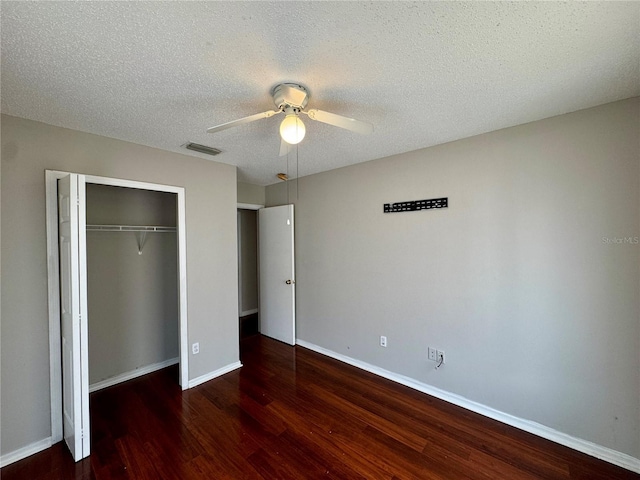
(292,130)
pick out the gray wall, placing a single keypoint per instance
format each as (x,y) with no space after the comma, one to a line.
(130,206)
(248,259)
(28,148)
(132,298)
(253,194)
(538,315)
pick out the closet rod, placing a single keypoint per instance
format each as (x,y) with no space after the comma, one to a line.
(129,228)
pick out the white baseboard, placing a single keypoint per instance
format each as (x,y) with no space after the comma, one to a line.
(248,312)
(603,453)
(25,452)
(216,373)
(138,372)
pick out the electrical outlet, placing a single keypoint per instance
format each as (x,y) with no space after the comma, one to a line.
(432,353)
(383,341)
(195,348)
(440,357)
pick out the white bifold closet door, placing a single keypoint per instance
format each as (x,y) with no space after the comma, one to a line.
(73,314)
(277,273)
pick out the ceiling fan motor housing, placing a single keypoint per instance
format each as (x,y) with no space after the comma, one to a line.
(290,95)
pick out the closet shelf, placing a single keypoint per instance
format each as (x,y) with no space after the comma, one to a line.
(129,228)
(140,231)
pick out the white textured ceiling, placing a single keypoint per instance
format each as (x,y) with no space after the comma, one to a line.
(161,73)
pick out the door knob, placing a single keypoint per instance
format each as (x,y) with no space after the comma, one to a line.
(289,282)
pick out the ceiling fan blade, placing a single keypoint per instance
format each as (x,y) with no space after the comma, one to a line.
(340,121)
(285,148)
(251,118)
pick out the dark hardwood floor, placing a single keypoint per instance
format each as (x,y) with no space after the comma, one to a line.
(293,414)
(248,325)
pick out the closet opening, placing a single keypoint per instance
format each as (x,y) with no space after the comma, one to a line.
(132,283)
(117,284)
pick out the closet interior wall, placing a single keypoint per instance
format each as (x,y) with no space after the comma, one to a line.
(132,298)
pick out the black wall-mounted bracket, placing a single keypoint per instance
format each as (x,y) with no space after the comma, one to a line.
(416,205)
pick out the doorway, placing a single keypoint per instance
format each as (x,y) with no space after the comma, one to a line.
(78,338)
(248,255)
(275,271)
(247,272)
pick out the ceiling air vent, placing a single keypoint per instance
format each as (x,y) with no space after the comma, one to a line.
(196,147)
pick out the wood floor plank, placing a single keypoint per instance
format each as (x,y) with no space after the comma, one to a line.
(269,464)
(321,434)
(136,462)
(407,438)
(290,413)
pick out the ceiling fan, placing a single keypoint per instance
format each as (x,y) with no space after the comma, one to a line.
(291,99)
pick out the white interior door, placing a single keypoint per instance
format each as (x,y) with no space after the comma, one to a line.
(73,317)
(277,273)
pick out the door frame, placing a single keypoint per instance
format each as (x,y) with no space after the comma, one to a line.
(53,276)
